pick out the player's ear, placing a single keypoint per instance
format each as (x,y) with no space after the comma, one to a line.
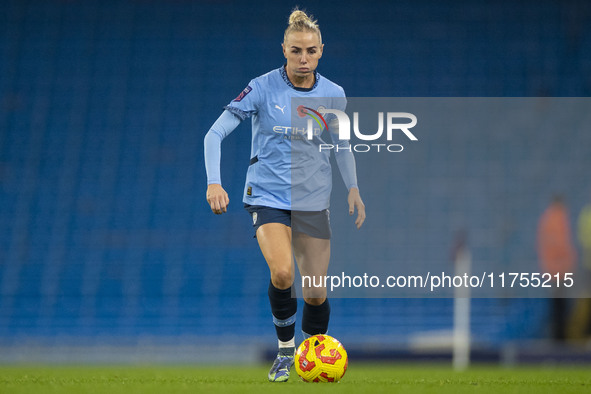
(283,48)
(321,49)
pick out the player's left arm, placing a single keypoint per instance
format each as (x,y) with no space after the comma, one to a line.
(346,163)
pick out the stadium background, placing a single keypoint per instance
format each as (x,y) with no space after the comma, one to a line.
(106,241)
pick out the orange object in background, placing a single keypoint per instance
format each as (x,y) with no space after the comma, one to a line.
(555,245)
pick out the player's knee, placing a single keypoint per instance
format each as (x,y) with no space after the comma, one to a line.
(314,295)
(282,278)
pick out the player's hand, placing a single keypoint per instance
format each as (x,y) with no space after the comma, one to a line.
(355,202)
(217,198)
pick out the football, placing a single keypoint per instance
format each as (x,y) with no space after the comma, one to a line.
(321,358)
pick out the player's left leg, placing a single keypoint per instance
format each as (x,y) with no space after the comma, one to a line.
(313,256)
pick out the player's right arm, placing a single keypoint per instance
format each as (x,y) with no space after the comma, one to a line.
(242,107)
(217,198)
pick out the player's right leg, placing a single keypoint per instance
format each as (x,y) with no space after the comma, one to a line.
(275,243)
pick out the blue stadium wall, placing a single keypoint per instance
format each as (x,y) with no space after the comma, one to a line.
(104,228)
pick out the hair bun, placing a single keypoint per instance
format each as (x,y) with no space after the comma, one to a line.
(300,21)
(298,17)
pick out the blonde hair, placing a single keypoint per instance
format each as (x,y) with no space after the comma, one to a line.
(300,21)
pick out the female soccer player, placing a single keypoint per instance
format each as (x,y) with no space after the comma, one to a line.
(282,230)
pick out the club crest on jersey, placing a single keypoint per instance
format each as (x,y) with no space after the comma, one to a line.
(303,111)
(242,94)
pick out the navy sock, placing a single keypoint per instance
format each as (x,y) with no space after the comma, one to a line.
(283,307)
(315,318)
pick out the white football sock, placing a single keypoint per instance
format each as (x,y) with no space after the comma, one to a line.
(290,343)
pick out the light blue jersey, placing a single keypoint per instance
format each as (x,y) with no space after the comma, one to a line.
(286,171)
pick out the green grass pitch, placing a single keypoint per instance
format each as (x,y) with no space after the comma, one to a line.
(360,378)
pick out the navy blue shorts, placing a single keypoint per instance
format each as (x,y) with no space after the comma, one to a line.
(314,223)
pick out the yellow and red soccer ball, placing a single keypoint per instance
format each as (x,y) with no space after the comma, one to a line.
(321,358)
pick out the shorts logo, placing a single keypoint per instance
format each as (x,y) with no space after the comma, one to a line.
(242,94)
(254,218)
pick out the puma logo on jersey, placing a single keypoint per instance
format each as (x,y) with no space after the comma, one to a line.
(281,108)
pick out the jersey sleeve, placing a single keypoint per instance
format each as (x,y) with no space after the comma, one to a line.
(248,101)
(212,148)
(343,154)
(345,159)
